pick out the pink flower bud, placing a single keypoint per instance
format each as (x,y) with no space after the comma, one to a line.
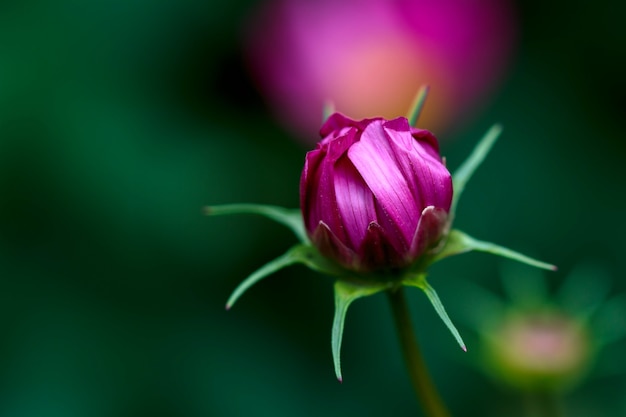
(375,194)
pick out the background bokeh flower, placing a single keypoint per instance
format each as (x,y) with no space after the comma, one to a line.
(538,350)
(544,343)
(369,57)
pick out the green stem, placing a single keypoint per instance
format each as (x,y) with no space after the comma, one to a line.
(422,382)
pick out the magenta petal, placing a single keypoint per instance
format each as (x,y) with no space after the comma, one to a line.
(317,185)
(429,140)
(430,229)
(416,153)
(377,164)
(336,122)
(338,146)
(377,250)
(355,202)
(329,245)
(314,181)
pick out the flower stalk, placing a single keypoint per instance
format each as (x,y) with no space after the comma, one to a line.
(422,383)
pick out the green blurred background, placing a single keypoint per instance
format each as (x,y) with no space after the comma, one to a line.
(120,119)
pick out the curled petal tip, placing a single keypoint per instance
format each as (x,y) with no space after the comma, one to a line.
(228,306)
(340,379)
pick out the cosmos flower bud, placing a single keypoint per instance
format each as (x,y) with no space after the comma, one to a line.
(376,198)
(375,194)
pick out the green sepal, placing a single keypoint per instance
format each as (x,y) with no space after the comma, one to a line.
(419,281)
(345,293)
(328,110)
(292,218)
(458,242)
(310,256)
(269,268)
(463,174)
(303,253)
(417,105)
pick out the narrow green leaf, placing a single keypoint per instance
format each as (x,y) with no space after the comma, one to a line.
(302,253)
(289,258)
(459,242)
(292,218)
(420,282)
(456,244)
(345,294)
(462,175)
(417,105)
(508,253)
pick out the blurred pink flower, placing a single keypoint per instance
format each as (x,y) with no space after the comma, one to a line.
(369,57)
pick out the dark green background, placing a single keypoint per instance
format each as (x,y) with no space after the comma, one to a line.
(120,119)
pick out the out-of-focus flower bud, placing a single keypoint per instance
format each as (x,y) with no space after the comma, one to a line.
(375,194)
(370,56)
(539,351)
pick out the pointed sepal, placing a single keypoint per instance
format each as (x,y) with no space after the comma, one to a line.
(292,218)
(419,281)
(308,255)
(269,268)
(463,174)
(303,254)
(458,242)
(417,105)
(345,293)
